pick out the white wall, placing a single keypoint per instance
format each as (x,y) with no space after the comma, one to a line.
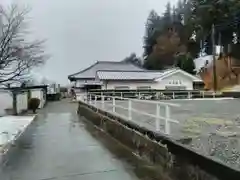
(130,84)
(79,83)
(6,101)
(38,93)
(185,81)
(158,84)
(22,102)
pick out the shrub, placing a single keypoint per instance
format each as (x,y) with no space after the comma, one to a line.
(33,104)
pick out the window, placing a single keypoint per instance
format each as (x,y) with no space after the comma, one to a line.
(144,87)
(121,87)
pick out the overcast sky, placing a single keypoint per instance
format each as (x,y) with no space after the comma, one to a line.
(81,32)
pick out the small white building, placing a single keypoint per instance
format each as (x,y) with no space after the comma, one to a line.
(39,92)
(21,96)
(7,103)
(121,75)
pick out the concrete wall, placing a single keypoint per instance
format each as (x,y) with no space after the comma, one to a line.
(22,102)
(130,84)
(6,101)
(173,158)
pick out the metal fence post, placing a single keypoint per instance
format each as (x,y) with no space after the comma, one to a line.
(130,109)
(189,95)
(157,117)
(121,95)
(114,104)
(173,95)
(167,117)
(102,101)
(95,100)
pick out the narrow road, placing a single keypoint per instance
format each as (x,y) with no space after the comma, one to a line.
(62,149)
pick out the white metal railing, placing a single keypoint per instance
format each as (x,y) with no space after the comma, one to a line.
(160,95)
(157,116)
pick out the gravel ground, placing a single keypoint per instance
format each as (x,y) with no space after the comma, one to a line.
(211,127)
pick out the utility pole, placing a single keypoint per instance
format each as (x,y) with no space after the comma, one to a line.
(214,59)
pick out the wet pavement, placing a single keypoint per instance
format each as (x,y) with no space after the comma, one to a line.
(59,147)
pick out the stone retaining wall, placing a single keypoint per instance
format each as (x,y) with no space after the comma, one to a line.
(176,160)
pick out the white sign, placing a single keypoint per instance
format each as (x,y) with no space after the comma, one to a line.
(175,82)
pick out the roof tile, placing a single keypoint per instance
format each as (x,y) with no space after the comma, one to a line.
(91,71)
(127,75)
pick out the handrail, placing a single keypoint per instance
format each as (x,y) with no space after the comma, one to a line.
(158,117)
(150,90)
(139,100)
(155,91)
(144,113)
(164,94)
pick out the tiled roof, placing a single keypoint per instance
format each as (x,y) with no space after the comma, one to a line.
(107,70)
(91,71)
(141,75)
(128,75)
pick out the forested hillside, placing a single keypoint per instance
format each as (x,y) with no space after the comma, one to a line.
(176,37)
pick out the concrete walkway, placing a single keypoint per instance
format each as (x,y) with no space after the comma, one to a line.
(62,149)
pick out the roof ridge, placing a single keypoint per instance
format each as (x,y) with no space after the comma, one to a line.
(117,62)
(99,62)
(84,69)
(122,71)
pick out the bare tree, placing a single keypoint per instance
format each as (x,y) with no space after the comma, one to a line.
(18,54)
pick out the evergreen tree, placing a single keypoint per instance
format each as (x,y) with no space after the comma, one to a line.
(152,25)
(188,26)
(186,63)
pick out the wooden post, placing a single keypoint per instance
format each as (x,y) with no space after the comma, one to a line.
(14,94)
(214,59)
